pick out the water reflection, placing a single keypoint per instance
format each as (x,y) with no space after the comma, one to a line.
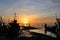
(42,32)
(26,33)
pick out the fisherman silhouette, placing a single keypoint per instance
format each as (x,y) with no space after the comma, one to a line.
(0,29)
(55,27)
(4,29)
(45,26)
(14,28)
(58,28)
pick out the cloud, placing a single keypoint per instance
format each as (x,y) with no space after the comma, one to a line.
(8,2)
(55,1)
(32,6)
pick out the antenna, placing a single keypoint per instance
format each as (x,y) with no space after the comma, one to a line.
(45,19)
(29,24)
(56,16)
(14,15)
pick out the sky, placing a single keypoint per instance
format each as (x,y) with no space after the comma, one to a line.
(39,11)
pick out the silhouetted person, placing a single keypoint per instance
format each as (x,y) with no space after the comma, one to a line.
(45,26)
(0,29)
(58,29)
(4,29)
(58,21)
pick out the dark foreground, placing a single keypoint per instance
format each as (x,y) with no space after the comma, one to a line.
(36,36)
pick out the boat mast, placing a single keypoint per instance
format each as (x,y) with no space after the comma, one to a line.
(14,15)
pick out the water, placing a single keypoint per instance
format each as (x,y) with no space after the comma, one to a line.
(41,30)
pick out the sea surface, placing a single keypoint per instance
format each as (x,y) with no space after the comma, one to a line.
(41,30)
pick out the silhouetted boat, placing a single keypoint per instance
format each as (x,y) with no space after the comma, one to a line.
(28,28)
(12,32)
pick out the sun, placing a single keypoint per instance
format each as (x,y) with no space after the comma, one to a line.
(25,21)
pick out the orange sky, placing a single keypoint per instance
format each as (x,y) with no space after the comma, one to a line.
(35,21)
(32,19)
(35,10)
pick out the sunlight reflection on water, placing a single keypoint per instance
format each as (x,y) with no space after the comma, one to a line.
(39,30)
(42,32)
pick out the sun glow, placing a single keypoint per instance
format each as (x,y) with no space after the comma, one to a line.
(25,21)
